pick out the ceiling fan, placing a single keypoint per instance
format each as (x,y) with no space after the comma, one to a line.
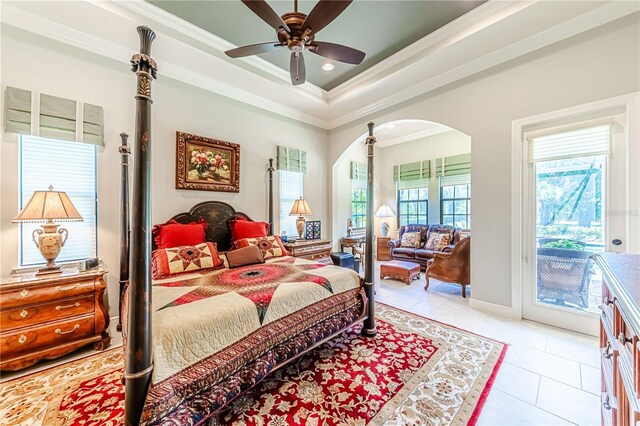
(297,31)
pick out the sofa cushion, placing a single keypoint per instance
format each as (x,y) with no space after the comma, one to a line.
(425,253)
(404,252)
(411,239)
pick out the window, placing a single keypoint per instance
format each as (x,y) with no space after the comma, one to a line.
(358,206)
(455,207)
(413,206)
(291,188)
(69,167)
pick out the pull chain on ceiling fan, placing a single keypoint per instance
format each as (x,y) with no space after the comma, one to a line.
(297,31)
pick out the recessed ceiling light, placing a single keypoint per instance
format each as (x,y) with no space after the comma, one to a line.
(328,66)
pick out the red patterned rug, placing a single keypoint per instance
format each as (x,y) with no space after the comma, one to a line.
(416,371)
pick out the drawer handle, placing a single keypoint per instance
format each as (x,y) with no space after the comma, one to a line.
(75,305)
(22,339)
(75,327)
(24,293)
(59,288)
(605,403)
(607,351)
(623,339)
(24,314)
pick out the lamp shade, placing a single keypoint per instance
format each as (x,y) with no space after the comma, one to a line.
(385,211)
(300,208)
(48,205)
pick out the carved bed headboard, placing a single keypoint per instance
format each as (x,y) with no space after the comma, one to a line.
(217,215)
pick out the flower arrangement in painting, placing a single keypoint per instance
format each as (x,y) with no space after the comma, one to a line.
(205,161)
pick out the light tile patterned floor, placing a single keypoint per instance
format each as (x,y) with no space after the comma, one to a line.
(549,377)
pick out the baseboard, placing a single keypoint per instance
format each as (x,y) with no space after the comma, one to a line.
(492,308)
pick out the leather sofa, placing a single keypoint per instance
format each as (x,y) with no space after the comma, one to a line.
(420,255)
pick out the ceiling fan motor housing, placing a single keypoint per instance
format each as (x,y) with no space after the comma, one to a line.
(296,40)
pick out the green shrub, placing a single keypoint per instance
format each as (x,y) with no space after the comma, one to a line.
(564,244)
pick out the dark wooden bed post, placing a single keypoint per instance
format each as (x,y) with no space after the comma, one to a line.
(369,326)
(271,170)
(138,363)
(124,150)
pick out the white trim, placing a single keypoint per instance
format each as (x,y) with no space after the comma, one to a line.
(261,84)
(492,308)
(631,103)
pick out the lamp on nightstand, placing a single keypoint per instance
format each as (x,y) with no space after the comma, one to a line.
(384,212)
(47,206)
(301,209)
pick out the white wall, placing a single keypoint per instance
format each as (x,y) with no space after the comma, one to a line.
(429,148)
(41,65)
(598,64)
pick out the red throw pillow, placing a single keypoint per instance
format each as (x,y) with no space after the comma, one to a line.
(245,229)
(269,246)
(174,234)
(178,260)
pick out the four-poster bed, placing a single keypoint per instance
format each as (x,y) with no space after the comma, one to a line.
(218,333)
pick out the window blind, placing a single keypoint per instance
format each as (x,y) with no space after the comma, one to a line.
(412,171)
(455,180)
(453,165)
(17,111)
(93,124)
(69,167)
(412,184)
(291,159)
(291,188)
(594,140)
(358,171)
(57,118)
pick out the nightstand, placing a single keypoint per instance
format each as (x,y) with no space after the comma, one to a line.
(316,250)
(382,250)
(49,316)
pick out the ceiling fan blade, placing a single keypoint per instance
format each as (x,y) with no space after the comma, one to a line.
(268,15)
(323,13)
(337,52)
(297,69)
(253,49)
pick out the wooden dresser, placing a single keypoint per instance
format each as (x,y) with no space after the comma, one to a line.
(48,316)
(318,250)
(619,338)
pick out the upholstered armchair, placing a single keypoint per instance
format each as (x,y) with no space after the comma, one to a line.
(453,267)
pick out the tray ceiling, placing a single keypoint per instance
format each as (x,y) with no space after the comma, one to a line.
(378,28)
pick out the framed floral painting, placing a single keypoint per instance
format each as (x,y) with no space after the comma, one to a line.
(206,164)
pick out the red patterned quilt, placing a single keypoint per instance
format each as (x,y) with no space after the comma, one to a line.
(216,334)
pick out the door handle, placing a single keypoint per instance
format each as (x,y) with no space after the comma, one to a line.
(616,242)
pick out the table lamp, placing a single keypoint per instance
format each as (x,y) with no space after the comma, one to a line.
(301,209)
(47,206)
(384,212)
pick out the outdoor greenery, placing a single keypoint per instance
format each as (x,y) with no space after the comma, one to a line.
(565,244)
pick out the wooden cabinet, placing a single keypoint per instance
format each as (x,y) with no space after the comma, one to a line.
(49,316)
(317,250)
(619,341)
(382,250)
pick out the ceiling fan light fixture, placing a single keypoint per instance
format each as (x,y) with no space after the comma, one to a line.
(328,66)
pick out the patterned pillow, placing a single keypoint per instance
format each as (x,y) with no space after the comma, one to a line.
(437,241)
(177,260)
(269,246)
(410,239)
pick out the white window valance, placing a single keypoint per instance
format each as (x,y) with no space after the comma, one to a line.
(586,141)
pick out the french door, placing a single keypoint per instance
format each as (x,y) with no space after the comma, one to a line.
(574,198)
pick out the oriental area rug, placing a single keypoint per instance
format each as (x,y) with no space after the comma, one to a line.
(416,371)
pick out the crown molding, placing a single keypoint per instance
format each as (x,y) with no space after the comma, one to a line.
(442,57)
(383,143)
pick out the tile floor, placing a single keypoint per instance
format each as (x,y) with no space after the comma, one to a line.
(549,376)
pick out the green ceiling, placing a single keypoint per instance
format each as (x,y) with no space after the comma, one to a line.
(379,28)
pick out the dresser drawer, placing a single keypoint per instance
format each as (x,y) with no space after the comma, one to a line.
(27,296)
(37,314)
(46,335)
(301,251)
